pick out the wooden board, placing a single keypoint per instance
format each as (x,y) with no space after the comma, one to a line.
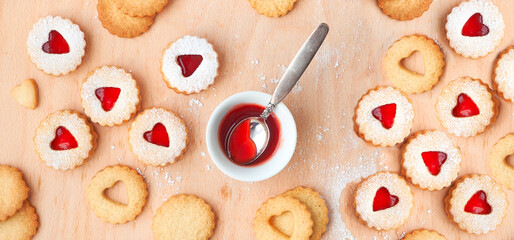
(254,51)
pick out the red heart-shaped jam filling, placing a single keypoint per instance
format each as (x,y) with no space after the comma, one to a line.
(189,63)
(383,200)
(63,140)
(434,161)
(242,149)
(56,44)
(385,114)
(475,27)
(107,96)
(477,204)
(465,107)
(158,135)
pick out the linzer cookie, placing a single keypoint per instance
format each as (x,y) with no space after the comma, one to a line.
(475,28)
(119,23)
(14,192)
(431,160)
(64,139)
(504,75)
(272,8)
(404,9)
(189,65)
(158,137)
(384,116)
(110,96)
(383,201)
(56,45)
(501,169)
(466,107)
(477,204)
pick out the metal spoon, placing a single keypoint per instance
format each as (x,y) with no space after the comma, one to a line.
(259,131)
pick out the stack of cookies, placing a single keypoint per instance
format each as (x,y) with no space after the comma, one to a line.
(18,219)
(128,18)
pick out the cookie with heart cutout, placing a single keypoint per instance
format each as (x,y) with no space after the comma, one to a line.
(189,65)
(504,73)
(476,203)
(119,23)
(110,96)
(502,171)
(475,28)
(431,160)
(383,201)
(65,139)
(56,45)
(384,116)
(158,137)
(404,9)
(466,107)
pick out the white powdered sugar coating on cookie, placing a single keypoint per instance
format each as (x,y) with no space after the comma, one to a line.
(153,154)
(56,64)
(465,126)
(478,223)
(126,104)
(504,75)
(77,126)
(372,129)
(415,168)
(388,218)
(202,77)
(475,47)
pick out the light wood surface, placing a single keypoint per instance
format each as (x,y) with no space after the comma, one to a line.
(254,51)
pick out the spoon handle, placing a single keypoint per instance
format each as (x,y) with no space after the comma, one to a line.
(297,67)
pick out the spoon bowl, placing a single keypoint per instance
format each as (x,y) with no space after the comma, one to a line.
(258,135)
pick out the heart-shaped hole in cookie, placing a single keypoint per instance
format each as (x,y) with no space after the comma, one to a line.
(284,223)
(414,63)
(510,160)
(118,193)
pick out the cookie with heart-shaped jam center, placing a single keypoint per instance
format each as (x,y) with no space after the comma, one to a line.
(110,96)
(158,137)
(65,139)
(384,116)
(466,107)
(431,160)
(383,201)
(475,28)
(477,204)
(56,45)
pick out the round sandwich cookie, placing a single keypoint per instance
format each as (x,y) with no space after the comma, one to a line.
(431,160)
(404,10)
(477,204)
(383,201)
(56,45)
(110,96)
(183,217)
(466,107)
(501,169)
(384,116)
(14,191)
(158,137)
(189,65)
(504,75)
(64,139)
(475,28)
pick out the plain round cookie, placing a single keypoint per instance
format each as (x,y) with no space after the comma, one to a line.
(504,75)
(13,191)
(502,171)
(405,79)
(277,206)
(56,64)
(183,217)
(111,211)
(272,8)
(404,9)
(22,226)
(424,234)
(141,8)
(316,206)
(120,24)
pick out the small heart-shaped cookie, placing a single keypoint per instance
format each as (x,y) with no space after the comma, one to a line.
(26,93)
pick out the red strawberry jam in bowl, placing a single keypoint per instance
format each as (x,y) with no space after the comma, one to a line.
(280,148)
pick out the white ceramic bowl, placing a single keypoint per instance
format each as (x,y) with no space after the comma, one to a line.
(277,162)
